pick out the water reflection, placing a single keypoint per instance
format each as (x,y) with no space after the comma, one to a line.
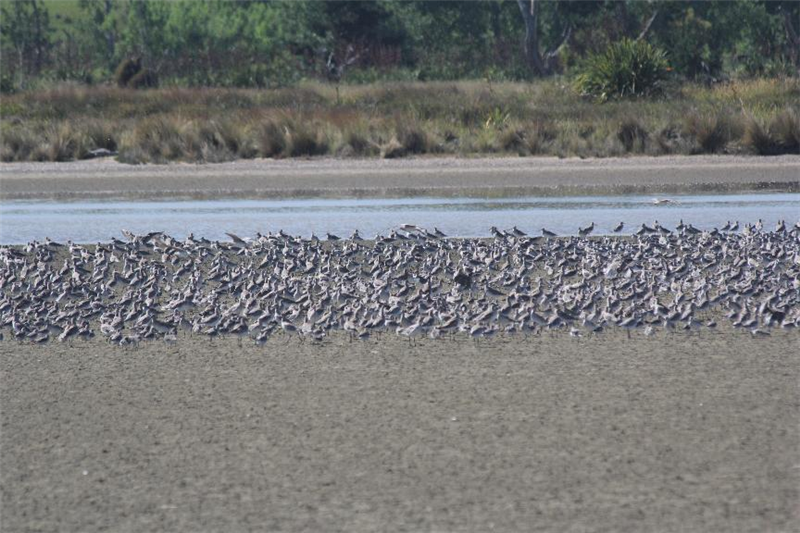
(93,221)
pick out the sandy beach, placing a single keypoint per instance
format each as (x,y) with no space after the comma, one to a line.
(682,432)
(441,177)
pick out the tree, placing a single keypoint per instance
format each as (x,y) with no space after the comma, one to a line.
(26,29)
(790,13)
(540,64)
(100,24)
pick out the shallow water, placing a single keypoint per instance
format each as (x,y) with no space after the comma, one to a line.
(23,221)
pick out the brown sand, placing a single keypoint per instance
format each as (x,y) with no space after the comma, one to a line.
(676,433)
(393,178)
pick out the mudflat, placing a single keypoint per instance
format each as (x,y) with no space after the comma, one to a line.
(100,179)
(676,432)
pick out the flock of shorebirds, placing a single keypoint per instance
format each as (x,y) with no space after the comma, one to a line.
(413,282)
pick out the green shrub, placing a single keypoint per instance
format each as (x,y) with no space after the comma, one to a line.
(626,69)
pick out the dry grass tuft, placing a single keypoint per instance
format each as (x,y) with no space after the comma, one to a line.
(270,139)
(758,139)
(512,140)
(305,139)
(538,136)
(413,138)
(100,134)
(154,140)
(393,120)
(17,144)
(358,142)
(786,130)
(712,133)
(632,135)
(64,143)
(533,138)
(392,149)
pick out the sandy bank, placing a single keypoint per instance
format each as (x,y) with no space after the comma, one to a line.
(392,178)
(675,433)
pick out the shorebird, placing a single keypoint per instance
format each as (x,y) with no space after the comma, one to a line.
(410,228)
(583,232)
(548,233)
(236,239)
(619,227)
(152,286)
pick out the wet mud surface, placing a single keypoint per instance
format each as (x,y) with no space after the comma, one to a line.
(673,432)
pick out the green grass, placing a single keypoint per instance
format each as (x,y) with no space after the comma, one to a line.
(396,120)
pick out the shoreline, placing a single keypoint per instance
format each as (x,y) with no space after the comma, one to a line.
(393,178)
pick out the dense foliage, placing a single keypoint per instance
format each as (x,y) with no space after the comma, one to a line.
(626,69)
(268,43)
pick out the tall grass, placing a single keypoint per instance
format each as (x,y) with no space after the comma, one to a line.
(395,120)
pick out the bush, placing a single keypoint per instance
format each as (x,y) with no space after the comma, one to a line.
(127,70)
(626,69)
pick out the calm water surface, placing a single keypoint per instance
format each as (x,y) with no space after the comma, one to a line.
(22,222)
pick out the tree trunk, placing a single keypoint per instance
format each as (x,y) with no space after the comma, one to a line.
(793,38)
(530,15)
(110,44)
(38,39)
